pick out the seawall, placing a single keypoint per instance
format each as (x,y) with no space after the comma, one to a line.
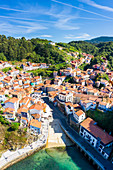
(82,149)
(23,156)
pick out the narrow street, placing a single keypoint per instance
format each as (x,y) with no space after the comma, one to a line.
(57,114)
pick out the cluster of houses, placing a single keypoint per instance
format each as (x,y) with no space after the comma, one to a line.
(33,66)
(83,95)
(20,98)
(4,64)
(75,104)
(80,60)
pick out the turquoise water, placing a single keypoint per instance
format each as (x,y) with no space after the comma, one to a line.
(54,159)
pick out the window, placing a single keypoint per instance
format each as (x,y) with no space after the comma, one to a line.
(81,134)
(103,152)
(99,150)
(92,143)
(101,146)
(82,130)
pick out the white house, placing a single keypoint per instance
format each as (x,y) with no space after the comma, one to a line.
(79,115)
(69,108)
(12,103)
(58,82)
(86,105)
(2,96)
(65,96)
(52,43)
(52,95)
(35,126)
(1,85)
(104,106)
(96,137)
(73,73)
(36,109)
(9,114)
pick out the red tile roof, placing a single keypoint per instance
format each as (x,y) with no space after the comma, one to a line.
(36,106)
(79,112)
(35,123)
(89,124)
(12,100)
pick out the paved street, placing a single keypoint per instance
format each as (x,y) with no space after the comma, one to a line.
(57,114)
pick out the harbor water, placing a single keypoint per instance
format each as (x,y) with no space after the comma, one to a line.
(62,158)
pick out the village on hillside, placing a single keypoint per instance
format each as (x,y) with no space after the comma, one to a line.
(87,92)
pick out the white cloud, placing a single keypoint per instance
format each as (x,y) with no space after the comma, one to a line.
(92,3)
(25,19)
(12,9)
(82,36)
(29,26)
(20,28)
(82,9)
(62,24)
(46,36)
(64,18)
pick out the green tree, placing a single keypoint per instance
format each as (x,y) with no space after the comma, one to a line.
(14,126)
(3,57)
(6,69)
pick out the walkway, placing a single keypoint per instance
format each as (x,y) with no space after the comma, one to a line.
(56,136)
(11,156)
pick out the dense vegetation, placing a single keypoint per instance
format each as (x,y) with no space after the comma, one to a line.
(84,47)
(100,51)
(12,136)
(67,47)
(39,50)
(35,50)
(100,39)
(101,76)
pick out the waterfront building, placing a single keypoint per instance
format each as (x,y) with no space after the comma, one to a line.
(35,126)
(97,137)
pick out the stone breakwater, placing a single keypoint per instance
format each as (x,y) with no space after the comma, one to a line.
(21,157)
(56,136)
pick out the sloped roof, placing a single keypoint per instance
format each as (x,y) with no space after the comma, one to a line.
(94,129)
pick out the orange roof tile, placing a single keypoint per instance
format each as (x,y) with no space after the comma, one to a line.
(35,123)
(24,118)
(89,124)
(79,112)
(36,116)
(36,106)
(12,100)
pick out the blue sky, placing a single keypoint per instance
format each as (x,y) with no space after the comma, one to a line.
(56,20)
